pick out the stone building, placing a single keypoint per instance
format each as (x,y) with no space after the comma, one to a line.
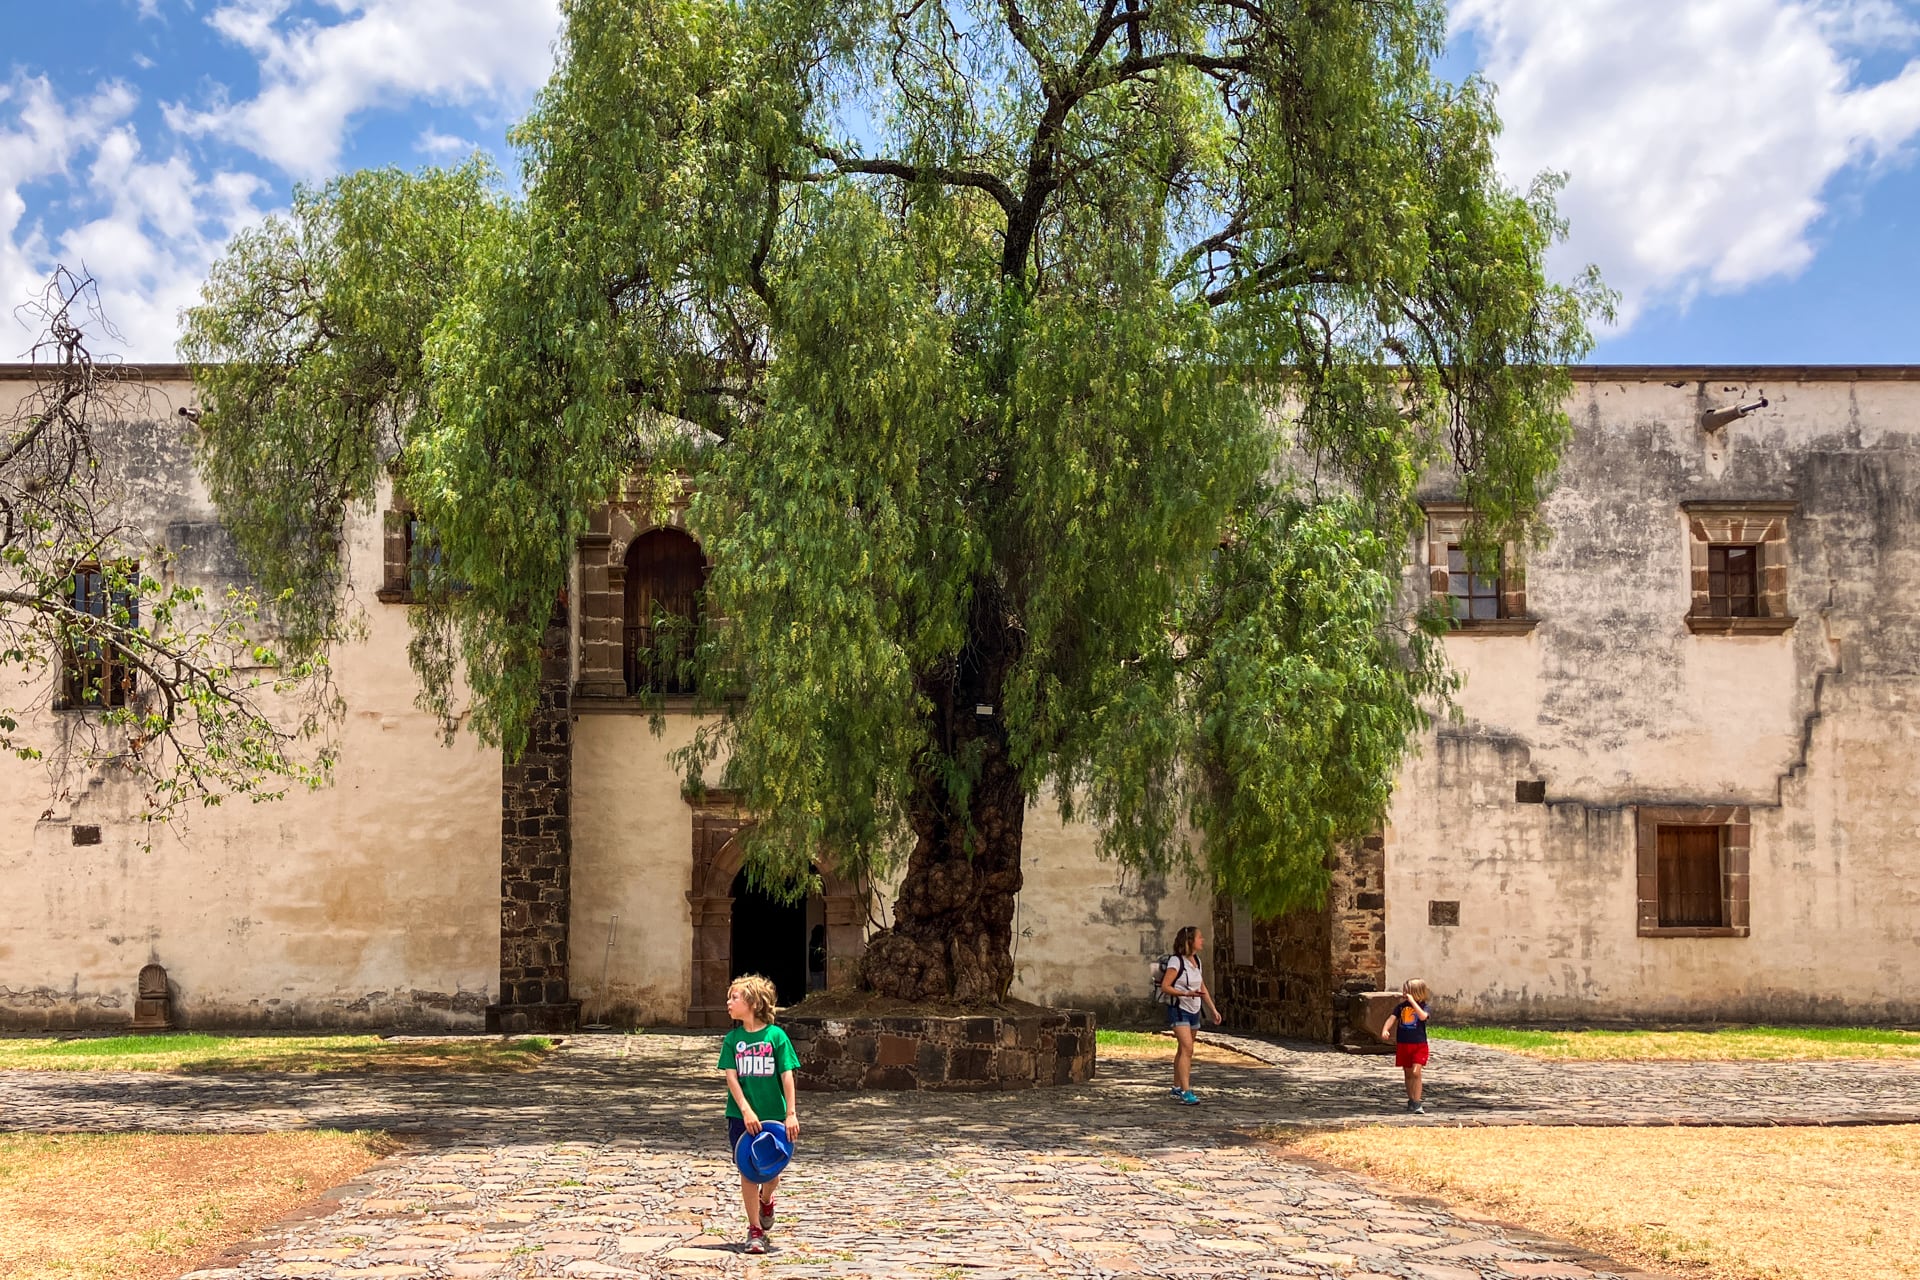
(1682,786)
(1685,781)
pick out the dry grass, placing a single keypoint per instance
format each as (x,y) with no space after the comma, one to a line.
(1147,1046)
(1730,1204)
(1728,1044)
(144,1206)
(186,1052)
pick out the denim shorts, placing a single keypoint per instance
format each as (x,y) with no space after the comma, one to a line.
(1178,1017)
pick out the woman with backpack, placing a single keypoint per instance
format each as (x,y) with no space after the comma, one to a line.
(1184,992)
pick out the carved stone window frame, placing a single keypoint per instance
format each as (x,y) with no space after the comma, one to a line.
(1735,825)
(1722,523)
(602,560)
(396,569)
(1447,524)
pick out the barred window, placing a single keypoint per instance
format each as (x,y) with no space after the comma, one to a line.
(93,670)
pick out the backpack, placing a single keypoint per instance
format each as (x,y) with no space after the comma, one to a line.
(1160,968)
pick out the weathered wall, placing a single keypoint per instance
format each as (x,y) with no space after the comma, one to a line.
(374,902)
(1614,703)
(632,858)
(1085,933)
(1088,931)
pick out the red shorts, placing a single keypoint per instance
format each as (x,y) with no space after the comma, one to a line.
(1409,1055)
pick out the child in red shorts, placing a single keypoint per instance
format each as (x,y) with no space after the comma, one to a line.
(1408,1026)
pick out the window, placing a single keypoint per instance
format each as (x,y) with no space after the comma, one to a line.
(1476,596)
(1738,556)
(93,670)
(1692,873)
(666,573)
(1242,933)
(1687,877)
(1482,597)
(409,555)
(1733,581)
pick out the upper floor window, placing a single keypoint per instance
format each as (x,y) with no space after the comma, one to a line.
(1738,559)
(93,670)
(1733,581)
(1475,595)
(1480,589)
(666,573)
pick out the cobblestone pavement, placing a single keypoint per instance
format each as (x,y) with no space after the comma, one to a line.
(610,1161)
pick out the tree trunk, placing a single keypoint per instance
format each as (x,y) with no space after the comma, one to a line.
(952,933)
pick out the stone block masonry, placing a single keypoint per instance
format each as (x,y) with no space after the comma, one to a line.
(536,857)
(1307,962)
(944,1053)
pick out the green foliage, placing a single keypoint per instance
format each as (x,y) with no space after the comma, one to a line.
(1105,346)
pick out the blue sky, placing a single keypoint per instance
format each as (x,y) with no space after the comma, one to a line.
(1743,171)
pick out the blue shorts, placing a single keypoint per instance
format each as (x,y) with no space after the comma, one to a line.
(735,1127)
(1178,1017)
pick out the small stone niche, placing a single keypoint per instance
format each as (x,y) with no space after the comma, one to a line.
(86,833)
(1530,791)
(1441,912)
(153,1001)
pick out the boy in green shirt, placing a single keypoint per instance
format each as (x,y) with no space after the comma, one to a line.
(759,1061)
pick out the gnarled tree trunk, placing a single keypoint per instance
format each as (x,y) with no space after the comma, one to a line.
(952,933)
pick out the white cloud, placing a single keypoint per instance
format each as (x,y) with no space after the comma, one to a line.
(444,146)
(146,228)
(315,78)
(1701,136)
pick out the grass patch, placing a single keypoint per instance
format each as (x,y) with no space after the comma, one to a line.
(1728,1044)
(1146,1046)
(143,1206)
(187,1052)
(1730,1204)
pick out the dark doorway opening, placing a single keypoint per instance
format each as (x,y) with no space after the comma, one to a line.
(769,938)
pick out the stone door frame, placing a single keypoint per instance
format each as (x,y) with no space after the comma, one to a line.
(718,823)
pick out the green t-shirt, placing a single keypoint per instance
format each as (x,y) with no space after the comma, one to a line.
(759,1056)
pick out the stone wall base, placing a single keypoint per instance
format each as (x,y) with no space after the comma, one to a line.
(533,1019)
(982,1053)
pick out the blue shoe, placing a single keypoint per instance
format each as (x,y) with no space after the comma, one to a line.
(1189,1097)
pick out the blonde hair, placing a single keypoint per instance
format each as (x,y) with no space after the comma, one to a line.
(1416,988)
(757,992)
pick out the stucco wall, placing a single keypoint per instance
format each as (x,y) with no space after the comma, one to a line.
(1087,930)
(1084,935)
(1614,703)
(632,858)
(374,902)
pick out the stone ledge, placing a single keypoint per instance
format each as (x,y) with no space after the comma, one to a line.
(1492,626)
(920,1053)
(1739,626)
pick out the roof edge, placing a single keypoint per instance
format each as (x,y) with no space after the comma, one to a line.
(157,372)
(145,372)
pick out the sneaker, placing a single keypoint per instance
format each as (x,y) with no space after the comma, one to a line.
(1189,1097)
(756,1240)
(766,1215)
(1177,1093)
(1415,1109)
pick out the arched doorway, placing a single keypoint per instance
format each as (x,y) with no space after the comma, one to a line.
(770,939)
(665,574)
(820,942)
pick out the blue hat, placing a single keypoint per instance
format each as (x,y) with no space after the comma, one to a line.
(762,1156)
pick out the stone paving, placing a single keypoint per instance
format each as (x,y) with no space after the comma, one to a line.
(610,1161)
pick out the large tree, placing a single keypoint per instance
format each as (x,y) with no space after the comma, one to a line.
(1062,370)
